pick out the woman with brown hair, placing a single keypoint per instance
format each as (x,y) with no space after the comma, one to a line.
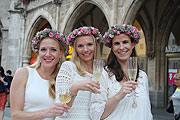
(115,101)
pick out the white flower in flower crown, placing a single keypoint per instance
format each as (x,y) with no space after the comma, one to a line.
(111,35)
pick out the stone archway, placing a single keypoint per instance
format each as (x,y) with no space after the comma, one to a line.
(39,24)
(158,19)
(84,15)
(87,13)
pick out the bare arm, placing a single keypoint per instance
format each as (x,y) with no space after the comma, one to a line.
(17,100)
(111,104)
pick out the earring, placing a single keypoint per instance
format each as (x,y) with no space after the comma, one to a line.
(59,61)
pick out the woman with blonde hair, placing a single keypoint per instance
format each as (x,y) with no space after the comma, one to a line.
(77,74)
(35,85)
(176,97)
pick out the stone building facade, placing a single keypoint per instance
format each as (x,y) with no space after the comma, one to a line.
(158,19)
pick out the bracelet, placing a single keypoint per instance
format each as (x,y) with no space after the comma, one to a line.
(72,96)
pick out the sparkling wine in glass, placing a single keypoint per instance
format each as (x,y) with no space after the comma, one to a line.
(64,95)
(132,73)
(97,69)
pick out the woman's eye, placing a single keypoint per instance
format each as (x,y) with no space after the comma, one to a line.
(79,46)
(116,43)
(126,41)
(90,44)
(53,49)
(42,49)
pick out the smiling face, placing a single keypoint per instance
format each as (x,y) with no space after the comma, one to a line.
(49,53)
(85,48)
(122,47)
(176,78)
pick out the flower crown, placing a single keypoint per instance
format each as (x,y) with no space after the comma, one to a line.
(48,33)
(84,31)
(129,30)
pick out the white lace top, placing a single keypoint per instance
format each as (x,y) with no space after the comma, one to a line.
(123,110)
(80,107)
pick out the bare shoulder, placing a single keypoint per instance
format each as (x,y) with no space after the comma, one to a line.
(21,71)
(21,75)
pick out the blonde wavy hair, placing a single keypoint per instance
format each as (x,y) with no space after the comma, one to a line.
(176,76)
(52,80)
(76,60)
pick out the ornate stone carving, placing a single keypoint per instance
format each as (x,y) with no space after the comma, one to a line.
(18,5)
(57,2)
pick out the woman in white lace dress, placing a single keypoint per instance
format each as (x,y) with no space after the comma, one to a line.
(77,73)
(33,87)
(115,100)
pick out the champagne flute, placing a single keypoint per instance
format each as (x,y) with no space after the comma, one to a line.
(132,73)
(97,69)
(65,95)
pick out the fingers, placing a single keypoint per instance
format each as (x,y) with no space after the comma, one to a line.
(129,86)
(94,84)
(88,85)
(92,89)
(59,109)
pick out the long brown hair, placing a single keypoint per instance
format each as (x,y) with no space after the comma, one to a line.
(113,67)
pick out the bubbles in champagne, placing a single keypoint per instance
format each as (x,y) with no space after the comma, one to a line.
(97,76)
(65,98)
(132,74)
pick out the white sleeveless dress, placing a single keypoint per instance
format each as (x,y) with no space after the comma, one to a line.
(66,77)
(37,93)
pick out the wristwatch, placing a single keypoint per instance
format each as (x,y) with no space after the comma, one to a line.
(72,96)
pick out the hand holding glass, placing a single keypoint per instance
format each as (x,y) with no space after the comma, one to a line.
(132,73)
(64,95)
(97,69)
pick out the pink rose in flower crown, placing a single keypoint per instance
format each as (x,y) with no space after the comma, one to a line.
(50,34)
(128,33)
(126,26)
(75,32)
(89,32)
(118,32)
(45,29)
(72,36)
(132,30)
(57,36)
(136,36)
(136,30)
(94,31)
(69,37)
(35,41)
(82,29)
